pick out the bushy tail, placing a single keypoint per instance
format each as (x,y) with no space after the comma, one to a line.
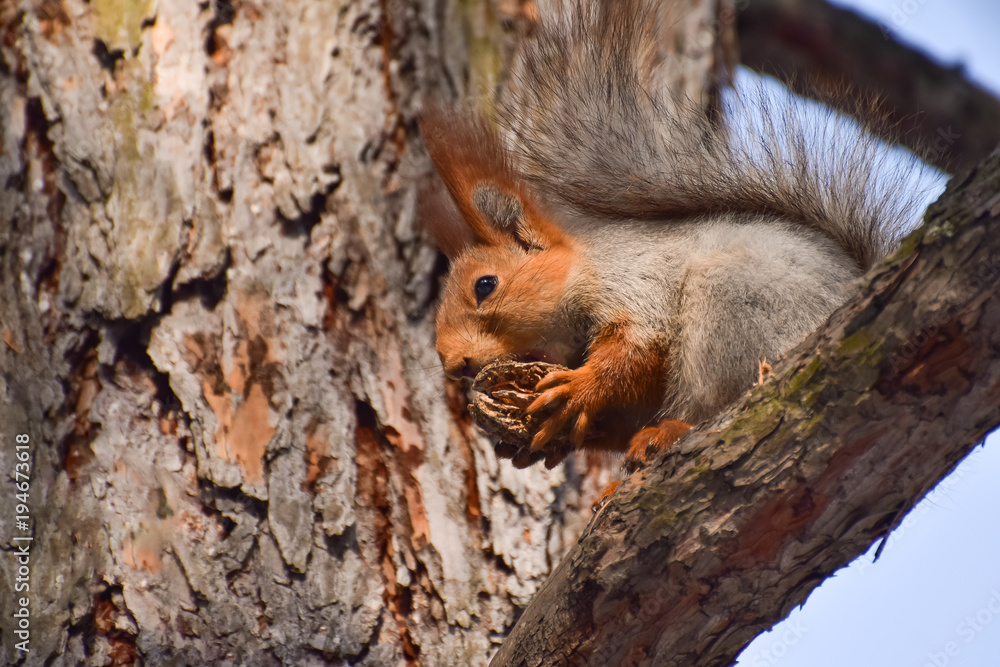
(593,128)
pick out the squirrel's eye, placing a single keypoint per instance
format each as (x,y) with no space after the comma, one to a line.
(484,287)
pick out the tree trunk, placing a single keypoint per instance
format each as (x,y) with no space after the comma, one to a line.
(217,321)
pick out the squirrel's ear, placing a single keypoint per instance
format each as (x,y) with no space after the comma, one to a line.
(506,212)
(484,187)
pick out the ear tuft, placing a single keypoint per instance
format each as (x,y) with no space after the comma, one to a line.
(506,213)
(502,209)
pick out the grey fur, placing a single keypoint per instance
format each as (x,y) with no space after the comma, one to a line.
(729,246)
(501,208)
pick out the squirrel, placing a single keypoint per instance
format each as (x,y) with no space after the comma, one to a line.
(660,254)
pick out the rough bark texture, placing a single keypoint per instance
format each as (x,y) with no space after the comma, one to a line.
(736,525)
(825,51)
(216,318)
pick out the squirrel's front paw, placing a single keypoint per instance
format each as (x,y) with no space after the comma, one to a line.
(568,394)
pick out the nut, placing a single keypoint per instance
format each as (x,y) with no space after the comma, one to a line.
(503,390)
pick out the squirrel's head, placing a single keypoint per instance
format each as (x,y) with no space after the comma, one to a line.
(510,263)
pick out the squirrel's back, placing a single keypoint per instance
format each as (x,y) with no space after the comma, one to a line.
(721,293)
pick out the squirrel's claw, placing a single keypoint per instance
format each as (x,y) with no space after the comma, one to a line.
(574,391)
(549,428)
(526,458)
(554,379)
(605,496)
(552,459)
(580,429)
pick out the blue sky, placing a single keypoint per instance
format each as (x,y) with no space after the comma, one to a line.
(933,598)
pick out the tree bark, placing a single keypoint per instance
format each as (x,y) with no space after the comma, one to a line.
(215,308)
(736,524)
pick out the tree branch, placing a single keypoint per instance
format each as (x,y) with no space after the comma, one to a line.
(822,51)
(717,541)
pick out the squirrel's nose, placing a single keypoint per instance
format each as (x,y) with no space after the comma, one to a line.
(469,369)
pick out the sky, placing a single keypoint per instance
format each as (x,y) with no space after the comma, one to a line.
(933,597)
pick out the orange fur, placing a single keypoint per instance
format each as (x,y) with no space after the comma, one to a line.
(516,322)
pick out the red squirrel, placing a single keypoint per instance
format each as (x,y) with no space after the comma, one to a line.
(661,255)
